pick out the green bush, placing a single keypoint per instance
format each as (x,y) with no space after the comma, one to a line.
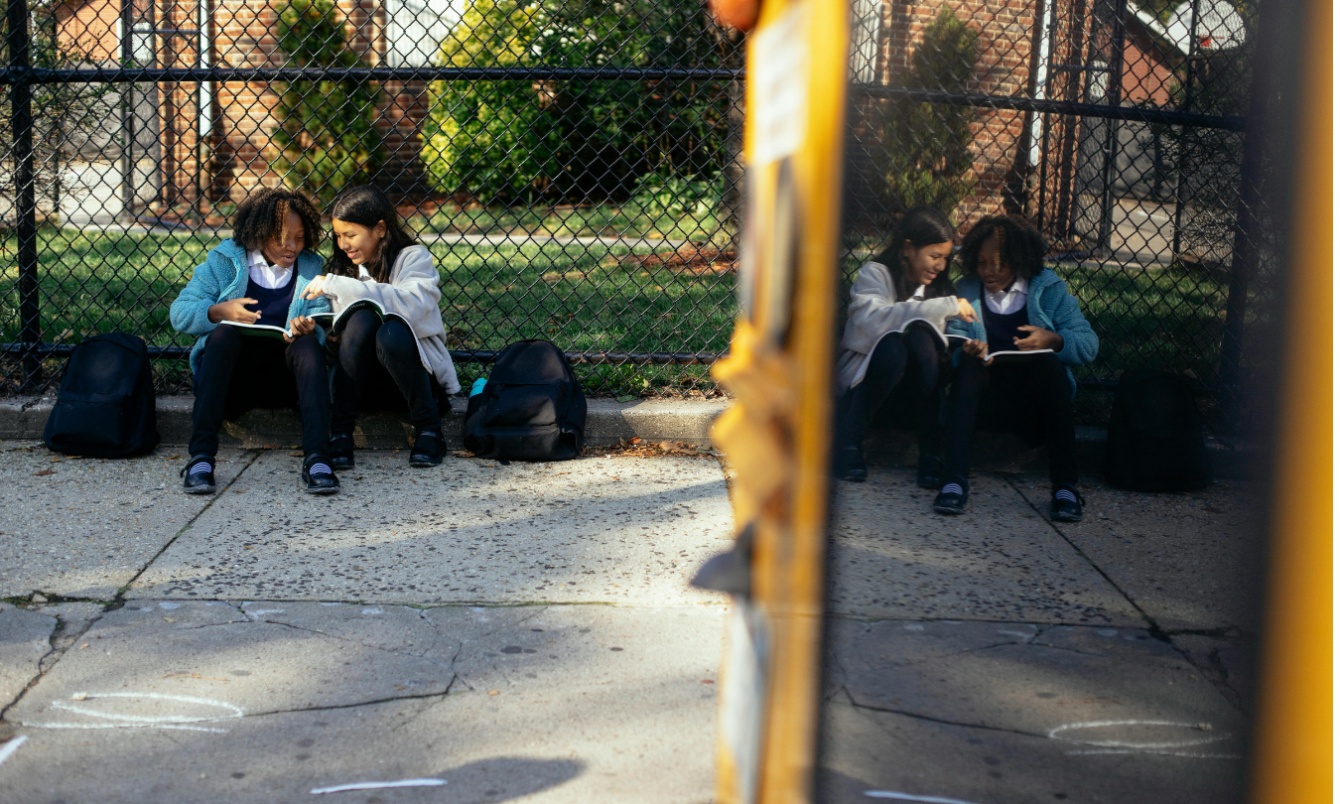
(928,146)
(572,139)
(328,135)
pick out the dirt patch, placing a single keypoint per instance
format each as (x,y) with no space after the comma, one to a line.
(687,259)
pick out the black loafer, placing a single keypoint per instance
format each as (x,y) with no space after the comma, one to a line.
(342,451)
(952,499)
(201,480)
(430,447)
(1067,505)
(318,477)
(930,469)
(848,465)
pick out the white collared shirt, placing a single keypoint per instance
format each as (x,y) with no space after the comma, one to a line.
(1010,300)
(920,292)
(363,275)
(270,277)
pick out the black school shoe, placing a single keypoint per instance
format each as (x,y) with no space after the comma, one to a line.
(1067,504)
(929,471)
(317,475)
(199,474)
(342,451)
(848,465)
(430,447)
(952,499)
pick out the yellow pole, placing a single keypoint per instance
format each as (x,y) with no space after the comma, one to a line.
(1292,753)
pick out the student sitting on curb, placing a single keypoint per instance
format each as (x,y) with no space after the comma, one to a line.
(257,277)
(890,346)
(375,260)
(1021,307)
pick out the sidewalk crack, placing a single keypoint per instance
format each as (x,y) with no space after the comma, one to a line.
(120,593)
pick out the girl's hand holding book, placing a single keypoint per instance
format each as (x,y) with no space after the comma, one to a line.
(1038,338)
(300,326)
(235,310)
(977,349)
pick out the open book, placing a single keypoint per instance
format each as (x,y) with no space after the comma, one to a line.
(951,342)
(335,323)
(261,330)
(1015,354)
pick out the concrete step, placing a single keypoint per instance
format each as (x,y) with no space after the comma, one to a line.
(607,421)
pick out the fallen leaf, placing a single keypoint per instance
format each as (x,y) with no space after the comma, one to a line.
(295,453)
(239,491)
(44,473)
(493,692)
(85,645)
(55,460)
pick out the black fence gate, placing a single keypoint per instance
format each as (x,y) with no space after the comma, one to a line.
(570,165)
(1118,127)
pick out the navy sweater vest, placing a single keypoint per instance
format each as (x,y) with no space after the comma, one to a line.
(1001,330)
(273,304)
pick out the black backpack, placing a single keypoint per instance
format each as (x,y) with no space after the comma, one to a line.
(105,406)
(531,409)
(1155,439)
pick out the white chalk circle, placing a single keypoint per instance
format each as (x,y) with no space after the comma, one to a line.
(1165,737)
(119,720)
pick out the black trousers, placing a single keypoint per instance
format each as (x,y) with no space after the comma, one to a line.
(905,367)
(379,369)
(240,372)
(1030,396)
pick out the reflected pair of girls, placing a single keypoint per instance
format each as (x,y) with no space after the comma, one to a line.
(269,272)
(894,352)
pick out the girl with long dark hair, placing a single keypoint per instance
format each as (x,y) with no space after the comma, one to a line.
(893,341)
(400,342)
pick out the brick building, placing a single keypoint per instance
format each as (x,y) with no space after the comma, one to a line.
(204,142)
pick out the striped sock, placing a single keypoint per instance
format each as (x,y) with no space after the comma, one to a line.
(1067,495)
(952,488)
(200,468)
(320,468)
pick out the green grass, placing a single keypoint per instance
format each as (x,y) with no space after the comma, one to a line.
(633,220)
(582,298)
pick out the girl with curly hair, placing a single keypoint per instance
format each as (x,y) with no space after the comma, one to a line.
(258,276)
(1023,307)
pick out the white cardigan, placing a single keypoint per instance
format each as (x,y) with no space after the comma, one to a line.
(874,312)
(413,295)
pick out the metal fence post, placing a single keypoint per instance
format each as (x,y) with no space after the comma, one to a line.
(25,201)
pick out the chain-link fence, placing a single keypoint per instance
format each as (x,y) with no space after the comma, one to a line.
(568,162)
(572,164)
(1116,126)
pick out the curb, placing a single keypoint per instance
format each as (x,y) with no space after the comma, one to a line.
(607,422)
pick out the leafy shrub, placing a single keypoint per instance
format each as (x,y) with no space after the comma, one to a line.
(572,139)
(328,135)
(927,146)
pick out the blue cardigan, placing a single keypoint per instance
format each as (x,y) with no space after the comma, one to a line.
(1050,306)
(223,278)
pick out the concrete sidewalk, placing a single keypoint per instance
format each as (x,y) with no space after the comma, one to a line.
(607,421)
(526,633)
(520,632)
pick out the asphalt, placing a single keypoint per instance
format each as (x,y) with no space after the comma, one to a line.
(525,632)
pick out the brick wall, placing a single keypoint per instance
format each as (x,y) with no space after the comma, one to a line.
(1004,46)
